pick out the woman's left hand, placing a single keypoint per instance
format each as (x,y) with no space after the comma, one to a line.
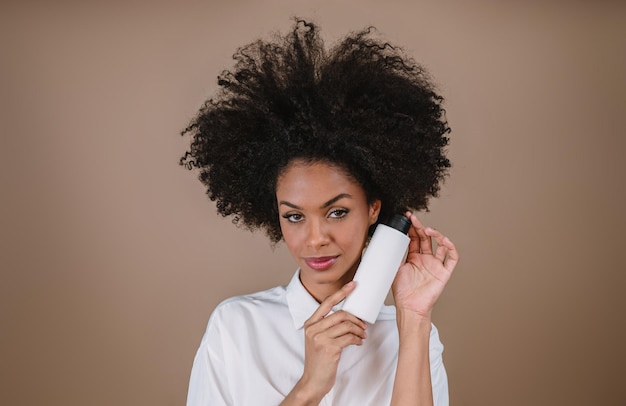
(422,278)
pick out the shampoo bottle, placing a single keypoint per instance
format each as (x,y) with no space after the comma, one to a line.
(377,270)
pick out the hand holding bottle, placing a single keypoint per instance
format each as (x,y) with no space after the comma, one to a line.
(325,338)
(421,280)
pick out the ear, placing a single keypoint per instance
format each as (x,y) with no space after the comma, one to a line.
(374,211)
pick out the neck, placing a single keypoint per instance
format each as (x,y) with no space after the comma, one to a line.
(321,291)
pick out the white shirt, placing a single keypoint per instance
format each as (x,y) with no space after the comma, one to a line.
(252,353)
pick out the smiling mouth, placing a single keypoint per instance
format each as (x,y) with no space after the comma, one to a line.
(320,263)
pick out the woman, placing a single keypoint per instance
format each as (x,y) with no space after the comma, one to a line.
(316,148)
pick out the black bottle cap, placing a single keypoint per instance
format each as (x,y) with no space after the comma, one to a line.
(399,222)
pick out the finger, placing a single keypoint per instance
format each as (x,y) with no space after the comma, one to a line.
(451,251)
(328,303)
(453,255)
(349,339)
(346,327)
(441,252)
(418,231)
(442,249)
(338,318)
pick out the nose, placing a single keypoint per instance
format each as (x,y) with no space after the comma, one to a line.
(317,234)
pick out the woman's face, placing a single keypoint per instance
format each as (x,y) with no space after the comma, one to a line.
(324,218)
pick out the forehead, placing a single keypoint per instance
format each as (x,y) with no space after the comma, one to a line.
(315,181)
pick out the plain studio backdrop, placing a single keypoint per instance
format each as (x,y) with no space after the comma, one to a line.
(112,257)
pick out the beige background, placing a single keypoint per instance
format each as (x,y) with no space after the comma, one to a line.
(113,258)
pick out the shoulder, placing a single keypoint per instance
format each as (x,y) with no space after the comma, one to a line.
(252,305)
(269,297)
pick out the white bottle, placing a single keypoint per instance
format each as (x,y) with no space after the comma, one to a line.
(378,268)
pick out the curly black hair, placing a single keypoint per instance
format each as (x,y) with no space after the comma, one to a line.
(363,106)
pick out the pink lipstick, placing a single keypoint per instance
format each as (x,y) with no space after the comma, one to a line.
(320,263)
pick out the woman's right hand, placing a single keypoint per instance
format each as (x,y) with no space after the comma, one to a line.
(325,338)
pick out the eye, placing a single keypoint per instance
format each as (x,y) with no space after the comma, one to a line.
(338,213)
(293,217)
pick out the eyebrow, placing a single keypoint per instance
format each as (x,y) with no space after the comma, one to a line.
(323,206)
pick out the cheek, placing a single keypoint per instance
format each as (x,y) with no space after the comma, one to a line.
(353,239)
(290,237)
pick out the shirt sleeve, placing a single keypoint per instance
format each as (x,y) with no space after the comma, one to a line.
(208,384)
(438,376)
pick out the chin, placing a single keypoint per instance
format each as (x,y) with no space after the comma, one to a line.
(330,276)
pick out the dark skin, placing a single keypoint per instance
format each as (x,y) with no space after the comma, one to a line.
(334,236)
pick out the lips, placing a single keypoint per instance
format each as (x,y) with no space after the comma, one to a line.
(320,263)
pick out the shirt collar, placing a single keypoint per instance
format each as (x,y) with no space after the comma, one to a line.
(301,303)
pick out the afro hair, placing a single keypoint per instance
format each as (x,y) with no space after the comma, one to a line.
(363,105)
